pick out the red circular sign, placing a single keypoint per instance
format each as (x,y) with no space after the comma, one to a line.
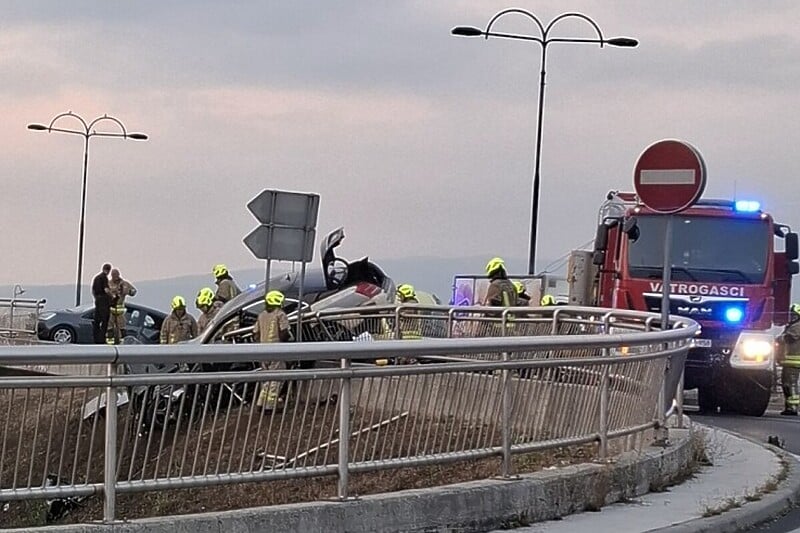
(670,176)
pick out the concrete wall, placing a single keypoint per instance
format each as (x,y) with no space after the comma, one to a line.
(466,507)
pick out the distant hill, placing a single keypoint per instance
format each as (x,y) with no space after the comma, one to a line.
(433,274)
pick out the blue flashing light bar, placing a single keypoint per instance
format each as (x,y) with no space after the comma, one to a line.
(734,314)
(747,206)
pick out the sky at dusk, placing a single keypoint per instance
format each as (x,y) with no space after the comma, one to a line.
(419,143)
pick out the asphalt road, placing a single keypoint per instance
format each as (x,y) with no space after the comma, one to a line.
(759,429)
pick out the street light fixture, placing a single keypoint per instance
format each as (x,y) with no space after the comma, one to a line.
(543,40)
(18,290)
(87,132)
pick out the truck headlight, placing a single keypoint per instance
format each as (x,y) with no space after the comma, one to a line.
(755,351)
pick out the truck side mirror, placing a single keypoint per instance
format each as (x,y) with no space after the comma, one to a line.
(601,238)
(599,257)
(631,228)
(793,268)
(791,246)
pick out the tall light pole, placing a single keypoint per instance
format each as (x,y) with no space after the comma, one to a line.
(18,291)
(543,40)
(87,133)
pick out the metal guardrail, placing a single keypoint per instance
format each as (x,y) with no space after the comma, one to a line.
(19,317)
(590,375)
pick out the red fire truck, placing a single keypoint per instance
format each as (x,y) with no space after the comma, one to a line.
(732,268)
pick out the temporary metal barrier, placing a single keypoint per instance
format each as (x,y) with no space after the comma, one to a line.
(19,318)
(503,383)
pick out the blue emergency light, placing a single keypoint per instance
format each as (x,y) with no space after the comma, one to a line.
(747,206)
(734,314)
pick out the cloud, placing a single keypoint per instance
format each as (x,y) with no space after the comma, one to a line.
(419,142)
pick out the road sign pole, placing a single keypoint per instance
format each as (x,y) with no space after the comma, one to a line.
(666,274)
(662,435)
(300,302)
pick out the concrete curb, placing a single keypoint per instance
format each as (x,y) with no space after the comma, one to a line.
(770,506)
(466,507)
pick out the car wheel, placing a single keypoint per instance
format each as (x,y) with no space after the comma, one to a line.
(63,335)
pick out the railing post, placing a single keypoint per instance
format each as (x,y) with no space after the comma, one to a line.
(604,413)
(450,322)
(661,437)
(397,322)
(505,406)
(679,400)
(603,429)
(110,452)
(344,433)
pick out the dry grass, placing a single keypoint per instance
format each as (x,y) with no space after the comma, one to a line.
(56,408)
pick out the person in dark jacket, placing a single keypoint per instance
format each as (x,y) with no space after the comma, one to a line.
(102,304)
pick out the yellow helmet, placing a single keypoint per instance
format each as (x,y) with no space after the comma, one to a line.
(274,298)
(519,287)
(406,291)
(219,271)
(547,300)
(494,265)
(795,309)
(178,302)
(205,297)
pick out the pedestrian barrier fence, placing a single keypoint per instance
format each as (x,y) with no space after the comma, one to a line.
(18,318)
(483,383)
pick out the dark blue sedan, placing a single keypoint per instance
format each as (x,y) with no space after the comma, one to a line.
(74,325)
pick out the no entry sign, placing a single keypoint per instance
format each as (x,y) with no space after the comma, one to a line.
(670,176)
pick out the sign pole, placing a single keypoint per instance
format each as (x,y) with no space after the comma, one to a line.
(666,274)
(669,177)
(661,435)
(300,302)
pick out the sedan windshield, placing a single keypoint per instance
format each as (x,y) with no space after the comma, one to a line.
(707,249)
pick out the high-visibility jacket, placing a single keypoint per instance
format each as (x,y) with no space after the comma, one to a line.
(271,326)
(207,316)
(178,329)
(501,293)
(791,337)
(119,290)
(227,290)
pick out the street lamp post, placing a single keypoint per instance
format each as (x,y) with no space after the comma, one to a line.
(87,133)
(543,40)
(18,291)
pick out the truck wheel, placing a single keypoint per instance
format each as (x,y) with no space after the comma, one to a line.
(748,394)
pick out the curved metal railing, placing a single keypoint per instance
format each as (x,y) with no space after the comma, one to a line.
(494,383)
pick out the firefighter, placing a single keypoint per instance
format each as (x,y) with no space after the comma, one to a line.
(272,326)
(523,298)
(410,326)
(791,362)
(547,300)
(227,289)
(102,304)
(501,292)
(118,290)
(406,294)
(207,306)
(179,326)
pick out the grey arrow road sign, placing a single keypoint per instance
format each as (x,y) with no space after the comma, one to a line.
(284,208)
(281,244)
